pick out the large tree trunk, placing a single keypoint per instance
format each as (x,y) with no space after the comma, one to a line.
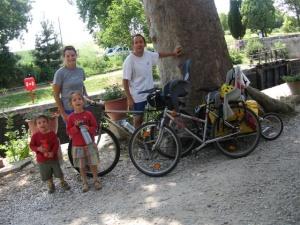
(194,25)
(268,104)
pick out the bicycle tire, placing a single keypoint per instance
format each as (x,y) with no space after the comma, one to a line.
(243,143)
(271,126)
(150,161)
(110,148)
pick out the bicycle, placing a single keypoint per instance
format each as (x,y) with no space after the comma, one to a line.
(235,137)
(107,143)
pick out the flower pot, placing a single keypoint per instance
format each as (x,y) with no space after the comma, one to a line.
(117,104)
(294,87)
(53,125)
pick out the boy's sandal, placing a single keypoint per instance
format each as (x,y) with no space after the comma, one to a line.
(51,188)
(85,188)
(65,186)
(98,185)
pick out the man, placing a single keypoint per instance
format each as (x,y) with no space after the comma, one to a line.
(137,74)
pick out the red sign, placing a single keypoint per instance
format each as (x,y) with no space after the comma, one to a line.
(29,83)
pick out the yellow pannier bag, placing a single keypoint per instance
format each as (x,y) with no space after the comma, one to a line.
(251,104)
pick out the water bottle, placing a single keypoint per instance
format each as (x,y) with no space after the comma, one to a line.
(128,126)
(85,134)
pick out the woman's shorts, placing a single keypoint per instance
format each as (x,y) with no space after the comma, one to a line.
(85,155)
(50,168)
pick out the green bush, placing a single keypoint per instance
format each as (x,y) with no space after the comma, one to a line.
(16,147)
(236,56)
(112,92)
(253,47)
(155,73)
(291,78)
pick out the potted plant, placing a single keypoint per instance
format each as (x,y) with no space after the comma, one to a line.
(30,116)
(114,99)
(293,81)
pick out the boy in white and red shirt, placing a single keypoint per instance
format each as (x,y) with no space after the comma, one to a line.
(84,154)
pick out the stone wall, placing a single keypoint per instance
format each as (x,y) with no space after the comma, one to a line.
(292,43)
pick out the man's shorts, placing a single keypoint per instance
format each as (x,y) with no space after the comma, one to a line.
(140,106)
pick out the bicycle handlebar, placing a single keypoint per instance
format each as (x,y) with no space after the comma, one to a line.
(149,91)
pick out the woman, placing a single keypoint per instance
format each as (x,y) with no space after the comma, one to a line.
(67,79)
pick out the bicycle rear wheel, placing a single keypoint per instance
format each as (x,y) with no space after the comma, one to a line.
(108,149)
(271,126)
(150,161)
(247,127)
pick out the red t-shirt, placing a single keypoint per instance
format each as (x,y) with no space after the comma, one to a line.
(49,141)
(86,118)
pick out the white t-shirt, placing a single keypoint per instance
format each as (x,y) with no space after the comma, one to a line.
(138,71)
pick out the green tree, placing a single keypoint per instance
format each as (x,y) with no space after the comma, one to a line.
(258,15)
(292,6)
(116,19)
(47,50)
(14,16)
(125,17)
(94,12)
(279,19)
(8,76)
(235,24)
(289,25)
(224,21)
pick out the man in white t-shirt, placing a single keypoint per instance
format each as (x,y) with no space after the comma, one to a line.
(137,74)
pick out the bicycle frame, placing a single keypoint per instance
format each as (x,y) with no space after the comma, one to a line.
(204,140)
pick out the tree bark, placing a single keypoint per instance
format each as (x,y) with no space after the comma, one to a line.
(268,104)
(194,25)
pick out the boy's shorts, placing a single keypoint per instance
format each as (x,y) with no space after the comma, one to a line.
(50,168)
(140,106)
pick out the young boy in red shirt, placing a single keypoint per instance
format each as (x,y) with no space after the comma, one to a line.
(45,144)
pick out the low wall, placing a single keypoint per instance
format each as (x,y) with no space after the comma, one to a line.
(292,43)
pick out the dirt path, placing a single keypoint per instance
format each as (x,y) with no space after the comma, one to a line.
(210,189)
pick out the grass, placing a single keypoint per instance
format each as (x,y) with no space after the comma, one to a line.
(93,84)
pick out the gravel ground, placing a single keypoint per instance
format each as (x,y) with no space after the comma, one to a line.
(210,189)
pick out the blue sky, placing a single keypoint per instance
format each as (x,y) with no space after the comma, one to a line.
(72,28)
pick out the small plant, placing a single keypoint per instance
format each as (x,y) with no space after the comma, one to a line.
(236,57)
(112,92)
(16,147)
(253,48)
(291,78)
(281,49)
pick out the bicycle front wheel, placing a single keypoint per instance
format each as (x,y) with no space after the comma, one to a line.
(245,130)
(271,126)
(148,152)
(108,149)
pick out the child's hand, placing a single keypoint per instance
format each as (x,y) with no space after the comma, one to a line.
(78,122)
(48,154)
(41,149)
